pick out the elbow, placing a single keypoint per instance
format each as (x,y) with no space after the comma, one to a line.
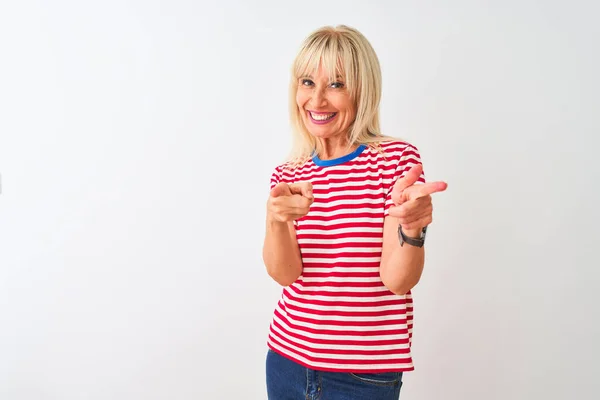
(399,285)
(284,280)
(400,289)
(283,271)
(284,277)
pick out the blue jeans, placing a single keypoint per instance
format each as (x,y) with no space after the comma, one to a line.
(288,380)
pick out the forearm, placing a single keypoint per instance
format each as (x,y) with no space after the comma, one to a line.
(401,266)
(281,253)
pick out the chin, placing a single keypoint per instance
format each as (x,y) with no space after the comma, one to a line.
(321,135)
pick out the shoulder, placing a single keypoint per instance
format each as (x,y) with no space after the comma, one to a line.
(397,146)
(288,169)
(394,149)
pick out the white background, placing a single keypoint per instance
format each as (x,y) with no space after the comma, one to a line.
(137,142)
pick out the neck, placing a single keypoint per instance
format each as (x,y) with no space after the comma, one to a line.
(334,148)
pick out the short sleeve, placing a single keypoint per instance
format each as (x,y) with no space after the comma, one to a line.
(275,178)
(409,157)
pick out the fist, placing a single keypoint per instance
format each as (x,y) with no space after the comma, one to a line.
(289,202)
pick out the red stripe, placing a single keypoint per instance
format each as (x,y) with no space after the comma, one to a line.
(341,254)
(341,274)
(341,342)
(368,164)
(333,217)
(370,170)
(334,295)
(339,245)
(356,313)
(348,331)
(341,235)
(275,338)
(369,361)
(335,322)
(339,303)
(374,284)
(342,197)
(362,185)
(365,264)
(366,342)
(377,225)
(376,207)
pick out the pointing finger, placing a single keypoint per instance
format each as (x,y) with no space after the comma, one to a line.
(417,191)
(302,188)
(281,189)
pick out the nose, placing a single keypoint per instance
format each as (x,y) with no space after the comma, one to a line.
(318,99)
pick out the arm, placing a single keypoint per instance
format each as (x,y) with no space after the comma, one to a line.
(281,253)
(408,204)
(401,266)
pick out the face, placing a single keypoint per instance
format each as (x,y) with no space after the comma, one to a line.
(325,105)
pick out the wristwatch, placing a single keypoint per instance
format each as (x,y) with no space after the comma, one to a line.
(417,242)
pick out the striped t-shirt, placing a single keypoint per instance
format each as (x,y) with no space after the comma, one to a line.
(338,315)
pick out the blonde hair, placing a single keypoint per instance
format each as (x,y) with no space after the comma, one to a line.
(345,51)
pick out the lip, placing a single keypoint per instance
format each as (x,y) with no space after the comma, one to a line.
(314,121)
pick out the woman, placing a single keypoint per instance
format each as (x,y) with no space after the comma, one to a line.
(346,222)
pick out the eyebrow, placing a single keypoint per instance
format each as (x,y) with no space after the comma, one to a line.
(311,77)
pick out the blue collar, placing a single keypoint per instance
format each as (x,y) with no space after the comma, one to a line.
(339,160)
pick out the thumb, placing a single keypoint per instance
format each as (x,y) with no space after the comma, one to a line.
(303,188)
(281,189)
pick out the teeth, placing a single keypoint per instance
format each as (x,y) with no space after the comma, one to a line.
(321,117)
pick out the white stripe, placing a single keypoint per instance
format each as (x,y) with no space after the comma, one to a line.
(351,204)
(343,289)
(342,329)
(333,298)
(366,163)
(345,318)
(332,279)
(340,240)
(329,187)
(291,341)
(392,307)
(347,220)
(337,250)
(345,170)
(341,270)
(292,298)
(400,308)
(357,230)
(351,209)
(359,224)
(354,260)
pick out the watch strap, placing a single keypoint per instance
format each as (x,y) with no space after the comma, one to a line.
(417,242)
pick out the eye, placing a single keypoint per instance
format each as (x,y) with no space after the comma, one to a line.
(337,85)
(306,82)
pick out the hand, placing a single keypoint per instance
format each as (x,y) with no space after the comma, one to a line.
(412,202)
(289,202)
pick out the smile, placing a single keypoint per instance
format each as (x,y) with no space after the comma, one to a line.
(321,118)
